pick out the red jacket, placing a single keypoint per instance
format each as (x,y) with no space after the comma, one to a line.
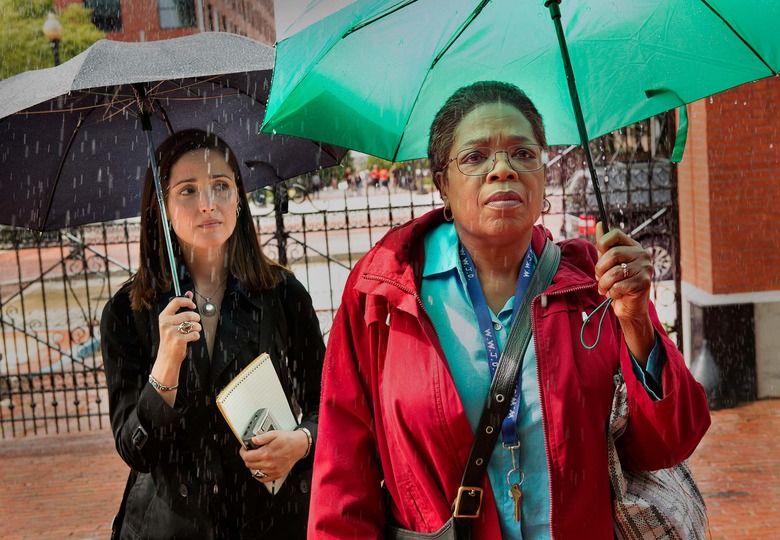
(390,410)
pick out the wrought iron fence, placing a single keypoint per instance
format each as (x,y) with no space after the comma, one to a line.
(53,286)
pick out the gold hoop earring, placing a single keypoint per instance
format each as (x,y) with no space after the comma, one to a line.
(447,217)
(546,206)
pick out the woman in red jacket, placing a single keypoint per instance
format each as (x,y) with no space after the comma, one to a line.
(411,353)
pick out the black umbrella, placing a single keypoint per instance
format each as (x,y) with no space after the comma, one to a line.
(76,139)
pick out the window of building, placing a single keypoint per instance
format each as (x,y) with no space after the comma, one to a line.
(176,13)
(106,14)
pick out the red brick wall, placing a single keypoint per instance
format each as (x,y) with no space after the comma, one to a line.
(695,230)
(730,191)
(141,20)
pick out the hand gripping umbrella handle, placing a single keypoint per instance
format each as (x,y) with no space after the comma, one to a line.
(146,125)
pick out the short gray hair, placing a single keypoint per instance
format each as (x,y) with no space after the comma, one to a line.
(465,100)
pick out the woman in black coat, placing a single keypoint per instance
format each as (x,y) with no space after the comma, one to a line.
(166,359)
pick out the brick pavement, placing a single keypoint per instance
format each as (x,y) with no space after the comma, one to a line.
(737,467)
(69,486)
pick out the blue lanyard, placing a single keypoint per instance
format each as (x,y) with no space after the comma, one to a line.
(509,425)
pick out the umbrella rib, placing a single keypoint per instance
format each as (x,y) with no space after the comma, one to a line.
(118,106)
(474,14)
(104,105)
(742,39)
(68,110)
(327,149)
(199,81)
(164,115)
(128,102)
(378,17)
(323,52)
(62,166)
(322,146)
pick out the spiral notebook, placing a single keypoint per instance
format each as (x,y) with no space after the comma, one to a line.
(256,387)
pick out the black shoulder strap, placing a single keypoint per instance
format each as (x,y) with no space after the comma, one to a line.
(469,497)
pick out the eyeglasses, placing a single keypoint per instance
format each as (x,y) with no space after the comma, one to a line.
(480,160)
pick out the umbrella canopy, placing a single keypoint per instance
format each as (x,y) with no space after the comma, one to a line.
(372,75)
(72,149)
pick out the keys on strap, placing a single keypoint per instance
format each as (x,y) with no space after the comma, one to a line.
(516,493)
(515,488)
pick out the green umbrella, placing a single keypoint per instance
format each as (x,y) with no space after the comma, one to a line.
(372,75)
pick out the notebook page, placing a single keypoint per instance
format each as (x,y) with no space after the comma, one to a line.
(257,386)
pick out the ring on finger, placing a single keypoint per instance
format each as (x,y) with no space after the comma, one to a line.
(185,327)
(259,474)
(624,266)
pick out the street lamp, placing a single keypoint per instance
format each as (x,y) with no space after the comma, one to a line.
(52,29)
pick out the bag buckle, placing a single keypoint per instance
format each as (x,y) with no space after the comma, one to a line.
(468,502)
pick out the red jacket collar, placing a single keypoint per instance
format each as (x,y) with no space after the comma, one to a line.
(398,257)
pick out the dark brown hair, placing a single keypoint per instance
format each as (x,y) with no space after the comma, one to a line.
(465,100)
(246,260)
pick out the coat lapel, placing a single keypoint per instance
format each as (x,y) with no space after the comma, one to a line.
(244,330)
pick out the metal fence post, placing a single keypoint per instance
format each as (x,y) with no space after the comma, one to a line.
(281,201)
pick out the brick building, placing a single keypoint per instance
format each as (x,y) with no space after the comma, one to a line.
(151,20)
(729,199)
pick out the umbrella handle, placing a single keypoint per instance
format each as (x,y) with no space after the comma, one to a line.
(555,14)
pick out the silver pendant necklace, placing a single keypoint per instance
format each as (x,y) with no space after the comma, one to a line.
(209,309)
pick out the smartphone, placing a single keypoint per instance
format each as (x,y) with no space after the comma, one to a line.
(262,422)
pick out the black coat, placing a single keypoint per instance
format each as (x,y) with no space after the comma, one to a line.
(190,481)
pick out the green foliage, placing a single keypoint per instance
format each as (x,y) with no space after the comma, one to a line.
(383,163)
(24,47)
(30,9)
(80,33)
(347,161)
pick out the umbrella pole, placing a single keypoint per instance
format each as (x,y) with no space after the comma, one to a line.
(146,125)
(163,213)
(555,13)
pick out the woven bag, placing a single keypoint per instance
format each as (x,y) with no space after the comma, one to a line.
(665,504)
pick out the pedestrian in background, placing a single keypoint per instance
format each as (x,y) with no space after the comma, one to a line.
(423,317)
(384,178)
(374,176)
(166,359)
